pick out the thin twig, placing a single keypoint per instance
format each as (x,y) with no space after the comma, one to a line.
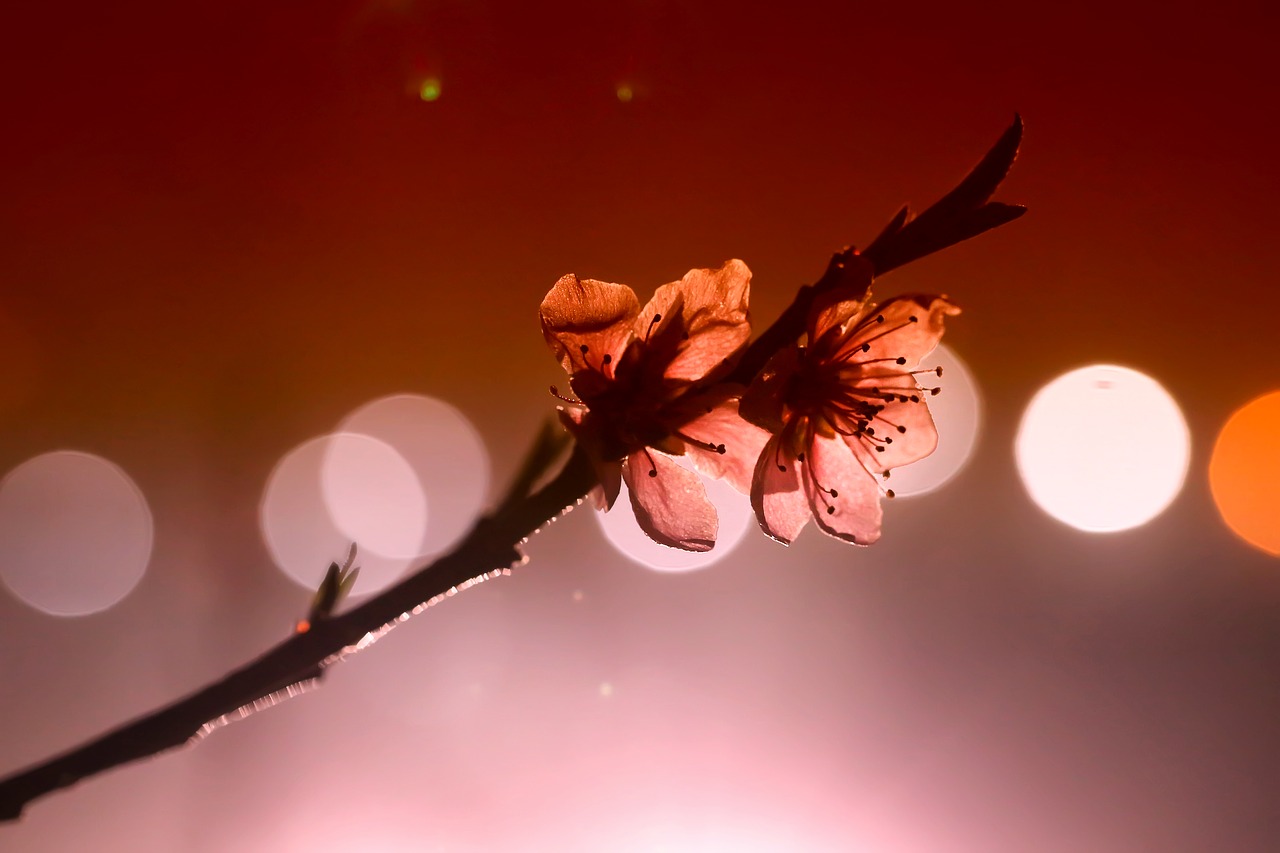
(493,545)
(964,212)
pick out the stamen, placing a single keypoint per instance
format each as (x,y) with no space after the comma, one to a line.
(555,392)
(880,320)
(653,467)
(657,318)
(899,427)
(607,358)
(821,489)
(705,445)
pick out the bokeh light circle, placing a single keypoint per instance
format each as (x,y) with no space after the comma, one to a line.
(1244,473)
(624,533)
(957,412)
(1103,448)
(75,533)
(445,453)
(373,495)
(332,490)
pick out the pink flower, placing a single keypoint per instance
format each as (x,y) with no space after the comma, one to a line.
(646,386)
(844,410)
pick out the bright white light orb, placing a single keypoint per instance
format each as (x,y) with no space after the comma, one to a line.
(623,531)
(336,489)
(446,454)
(1103,448)
(957,413)
(75,533)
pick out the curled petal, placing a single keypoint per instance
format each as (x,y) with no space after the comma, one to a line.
(703,323)
(781,506)
(905,327)
(716,424)
(595,315)
(844,496)
(762,402)
(670,502)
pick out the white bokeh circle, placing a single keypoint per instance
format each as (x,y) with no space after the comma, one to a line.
(335,489)
(1103,448)
(75,533)
(445,453)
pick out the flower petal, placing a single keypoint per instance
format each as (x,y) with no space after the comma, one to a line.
(905,327)
(717,424)
(780,503)
(593,314)
(903,430)
(703,325)
(853,512)
(670,502)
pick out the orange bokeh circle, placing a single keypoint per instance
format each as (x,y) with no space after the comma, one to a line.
(1244,473)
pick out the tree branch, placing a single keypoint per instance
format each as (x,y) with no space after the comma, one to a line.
(493,545)
(964,212)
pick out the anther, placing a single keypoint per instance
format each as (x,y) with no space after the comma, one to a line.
(608,357)
(831,510)
(901,359)
(800,456)
(555,392)
(656,319)
(890,493)
(913,319)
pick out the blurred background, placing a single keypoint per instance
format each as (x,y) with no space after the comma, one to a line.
(270,278)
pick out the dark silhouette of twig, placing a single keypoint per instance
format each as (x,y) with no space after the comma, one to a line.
(964,212)
(493,545)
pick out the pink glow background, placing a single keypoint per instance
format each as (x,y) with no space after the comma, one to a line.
(225,225)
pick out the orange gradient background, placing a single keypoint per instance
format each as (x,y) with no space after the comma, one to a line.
(224,226)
